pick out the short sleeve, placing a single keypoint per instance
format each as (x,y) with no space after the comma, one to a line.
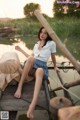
(53,47)
(34,48)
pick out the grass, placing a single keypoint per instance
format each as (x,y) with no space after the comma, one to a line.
(67,29)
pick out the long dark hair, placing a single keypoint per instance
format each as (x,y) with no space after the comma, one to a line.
(47,39)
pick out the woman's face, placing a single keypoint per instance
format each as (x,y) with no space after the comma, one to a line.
(43,34)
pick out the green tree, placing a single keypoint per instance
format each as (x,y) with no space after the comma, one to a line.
(29,9)
(77,8)
(63,8)
(57,9)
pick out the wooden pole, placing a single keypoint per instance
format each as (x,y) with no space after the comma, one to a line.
(57,40)
(66,93)
(68,85)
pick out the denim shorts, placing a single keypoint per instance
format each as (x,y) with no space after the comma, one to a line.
(41,64)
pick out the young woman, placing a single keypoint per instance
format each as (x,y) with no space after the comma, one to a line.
(43,49)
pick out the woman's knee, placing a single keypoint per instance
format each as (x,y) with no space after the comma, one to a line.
(30,60)
(40,71)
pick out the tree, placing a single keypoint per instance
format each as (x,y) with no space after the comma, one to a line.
(29,9)
(57,9)
(63,8)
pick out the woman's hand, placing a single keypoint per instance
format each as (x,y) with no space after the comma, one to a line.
(56,69)
(21,50)
(18,48)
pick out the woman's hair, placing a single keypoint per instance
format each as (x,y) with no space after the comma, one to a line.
(48,37)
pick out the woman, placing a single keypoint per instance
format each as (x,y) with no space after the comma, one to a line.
(43,49)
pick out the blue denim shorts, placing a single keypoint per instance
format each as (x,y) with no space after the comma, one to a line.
(41,64)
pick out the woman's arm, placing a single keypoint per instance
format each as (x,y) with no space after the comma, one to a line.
(54,61)
(22,51)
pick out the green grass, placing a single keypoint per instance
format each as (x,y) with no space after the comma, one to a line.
(67,29)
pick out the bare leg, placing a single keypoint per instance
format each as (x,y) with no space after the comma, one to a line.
(38,83)
(30,76)
(28,66)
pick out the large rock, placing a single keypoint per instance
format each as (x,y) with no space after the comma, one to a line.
(69,113)
(56,103)
(60,102)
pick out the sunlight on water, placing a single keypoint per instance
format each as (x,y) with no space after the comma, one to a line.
(9,48)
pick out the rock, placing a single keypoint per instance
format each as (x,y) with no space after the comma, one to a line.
(69,113)
(59,102)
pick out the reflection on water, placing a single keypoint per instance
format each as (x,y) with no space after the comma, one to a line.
(73,45)
(67,77)
(6,48)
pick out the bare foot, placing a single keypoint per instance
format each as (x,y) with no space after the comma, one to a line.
(17,93)
(30,112)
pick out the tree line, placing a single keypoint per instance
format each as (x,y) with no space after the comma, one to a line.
(61,8)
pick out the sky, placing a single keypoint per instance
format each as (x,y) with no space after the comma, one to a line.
(14,8)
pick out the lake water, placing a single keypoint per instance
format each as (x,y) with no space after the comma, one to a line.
(67,76)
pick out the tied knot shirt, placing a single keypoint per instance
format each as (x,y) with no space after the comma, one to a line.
(45,52)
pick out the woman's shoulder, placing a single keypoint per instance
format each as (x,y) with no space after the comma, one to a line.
(51,42)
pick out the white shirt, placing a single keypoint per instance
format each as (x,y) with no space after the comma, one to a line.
(45,52)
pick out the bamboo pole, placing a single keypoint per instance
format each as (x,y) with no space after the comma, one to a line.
(68,85)
(57,40)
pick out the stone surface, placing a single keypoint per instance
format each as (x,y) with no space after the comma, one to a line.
(69,113)
(59,102)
